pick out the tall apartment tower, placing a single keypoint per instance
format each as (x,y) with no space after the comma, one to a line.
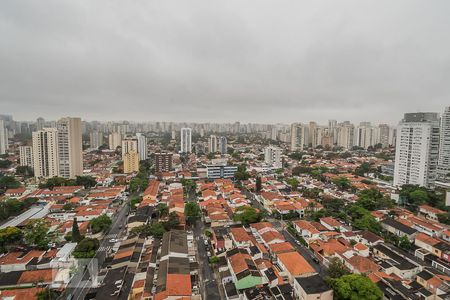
(298,136)
(70,149)
(96,139)
(40,123)
(130,155)
(366,135)
(313,138)
(417,149)
(45,153)
(272,157)
(212,144)
(142,146)
(114,140)
(186,140)
(443,171)
(163,162)
(26,156)
(384,135)
(345,135)
(3,137)
(223,145)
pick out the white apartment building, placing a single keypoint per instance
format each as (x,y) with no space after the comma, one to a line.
(417,149)
(96,139)
(45,153)
(142,146)
(3,137)
(345,135)
(186,140)
(384,131)
(26,156)
(223,145)
(443,171)
(272,157)
(70,150)
(212,144)
(366,135)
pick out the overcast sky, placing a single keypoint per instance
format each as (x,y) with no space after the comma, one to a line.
(224,61)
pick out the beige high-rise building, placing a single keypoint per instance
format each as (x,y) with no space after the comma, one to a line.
(130,162)
(130,155)
(346,132)
(114,140)
(26,156)
(45,153)
(70,149)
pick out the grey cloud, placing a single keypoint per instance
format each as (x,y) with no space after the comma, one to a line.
(252,61)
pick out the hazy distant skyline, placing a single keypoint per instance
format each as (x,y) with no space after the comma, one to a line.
(224,61)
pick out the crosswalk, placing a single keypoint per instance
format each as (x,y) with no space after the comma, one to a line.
(111,236)
(105,248)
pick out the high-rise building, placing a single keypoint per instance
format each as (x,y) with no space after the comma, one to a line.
(313,138)
(142,146)
(298,136)
(345,134)
(365,135)
(70,149)
(417,149)
(130,162)
(26,156)
(3,137)
(129,144)
(96,139)
(130,155)
(114,140)
(223,145)
(163,162)
(384,132)
(40,123)
(212,144)
(186,140)
(272,157)
(45,153)
(443,170)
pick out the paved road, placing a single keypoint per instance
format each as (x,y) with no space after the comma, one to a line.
(210,289)
(80,283)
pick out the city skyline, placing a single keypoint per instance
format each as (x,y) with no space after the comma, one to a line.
(353,61)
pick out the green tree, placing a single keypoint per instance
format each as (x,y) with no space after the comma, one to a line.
(48,294)
(8,182)
(258,185)
(5,164)
(355,286)
(444,218)
(86,248)
(68,206)
(343,183)
(214,260)
(247,215)
(25,171)
(86,181)
(35,233)
(192,211)
(241,173)
(293,183)
(419,197)
(336,268)
(368,222)
(373,199)
(162,209)
(156,230)
(172,221)
(76,235)
(9,236)
(135,201)
(138,184)
(100,224)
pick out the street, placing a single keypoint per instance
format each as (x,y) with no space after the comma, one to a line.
(81,282)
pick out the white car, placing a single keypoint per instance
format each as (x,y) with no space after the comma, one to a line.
(113,240)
